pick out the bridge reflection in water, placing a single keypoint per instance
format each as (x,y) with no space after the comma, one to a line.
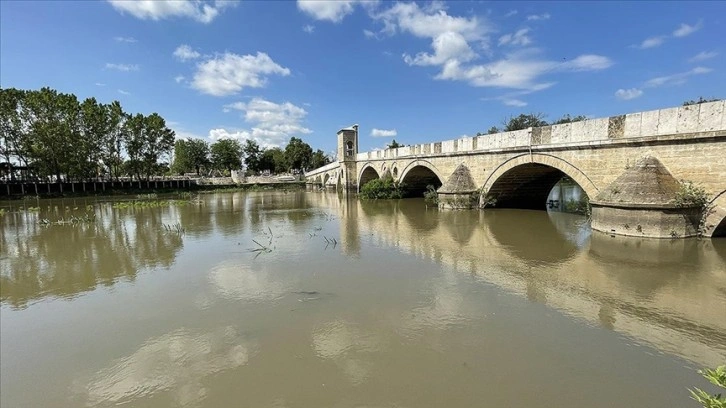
(667,293)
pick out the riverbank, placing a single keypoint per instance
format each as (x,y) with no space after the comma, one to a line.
(44,191)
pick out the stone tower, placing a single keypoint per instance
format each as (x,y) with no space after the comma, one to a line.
(347,151)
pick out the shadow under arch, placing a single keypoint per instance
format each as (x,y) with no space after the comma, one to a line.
(715,221)
(540,243)
(419,174)
(526,180)
(367,173)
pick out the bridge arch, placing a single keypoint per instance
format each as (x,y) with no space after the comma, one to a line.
(367,173)
(418,174)
(524,181)
(715,222)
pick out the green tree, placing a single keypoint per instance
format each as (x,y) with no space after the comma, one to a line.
(253,154)
(701,99)
(493,130)
(192,154)
(524,121)
(52,121)
(319,159)
(112,143)
(226,154)
(11,126)
(568,119)
(273,160)
(394,144)
(298,154)
(147,140)
(94,127)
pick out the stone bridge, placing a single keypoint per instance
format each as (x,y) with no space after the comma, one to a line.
(520,168)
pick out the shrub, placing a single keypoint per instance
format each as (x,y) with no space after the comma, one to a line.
(384,188)
(716,377)
(691,195)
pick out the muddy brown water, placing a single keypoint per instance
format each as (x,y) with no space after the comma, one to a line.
(342,303)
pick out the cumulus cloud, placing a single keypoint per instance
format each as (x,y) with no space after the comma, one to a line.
(308,28)
(179,78)
(272,124)
(334,11)
(383,132)
(702,56)
(519,37)
(456,42)
(628,94)
(511,13)
(198,10)
(122,67)
(229,73)
(125,39)
(685,30)
(185,53)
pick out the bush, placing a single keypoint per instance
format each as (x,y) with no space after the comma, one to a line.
(716,377)
(431,197)
(384,188)
(691,195)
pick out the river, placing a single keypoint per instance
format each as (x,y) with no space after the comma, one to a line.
(309,299)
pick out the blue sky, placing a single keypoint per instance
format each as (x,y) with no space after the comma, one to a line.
(416,72)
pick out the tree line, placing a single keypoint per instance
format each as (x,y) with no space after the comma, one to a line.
(196,155)
(50,135)
(53,135)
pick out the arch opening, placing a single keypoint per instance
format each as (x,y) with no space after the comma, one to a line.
(326,179)
(416,180)
(537,186)
(720,230)
(368,174)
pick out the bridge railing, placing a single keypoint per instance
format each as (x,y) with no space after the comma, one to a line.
(698,118)
(320,170)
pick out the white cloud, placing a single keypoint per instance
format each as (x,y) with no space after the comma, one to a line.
(272,124)
(519,70)
(682,31)
(666,80)
(685,29)
(229,73)
(430,22)
(514,102)
(308,28)
(125,39)
(122,92)
(179,78)
(122,67)
(538,17)
(518,38)
(511,13)
(185,53)
(383,132)
(199,10)
(652,42)
(100,84)
(628,94)
(448,46)
(702,56)
(676,79)
(330,10)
